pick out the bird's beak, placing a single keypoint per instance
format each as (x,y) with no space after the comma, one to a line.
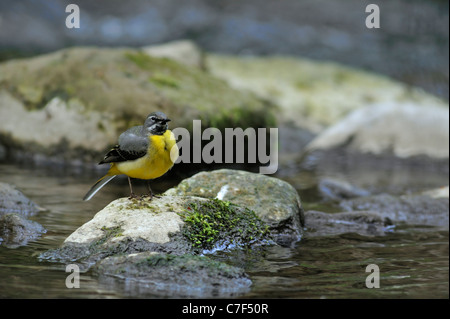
(166,120)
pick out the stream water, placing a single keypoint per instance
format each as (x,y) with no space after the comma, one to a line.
(413,260)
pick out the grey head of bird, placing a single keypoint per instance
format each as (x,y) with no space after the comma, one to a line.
(156,123)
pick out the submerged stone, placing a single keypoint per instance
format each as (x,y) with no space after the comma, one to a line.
(156,274)
(407,209)
(16,230)
(336,189)
(364,223)
(14,201)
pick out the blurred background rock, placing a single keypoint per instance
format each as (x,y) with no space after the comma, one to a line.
(411,46)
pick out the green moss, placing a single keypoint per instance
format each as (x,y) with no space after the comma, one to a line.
(30,94)
(112,231)
(220,105)
(141,59)
(147,62)
(164,80)
(108,232)
(215,222)
(101,127)
(125,82)
(141,203)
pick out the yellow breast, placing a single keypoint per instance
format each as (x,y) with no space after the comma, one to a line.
(161,154)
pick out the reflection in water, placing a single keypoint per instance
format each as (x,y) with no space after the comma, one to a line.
(413,261)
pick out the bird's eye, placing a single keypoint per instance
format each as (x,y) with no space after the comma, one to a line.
(153,118)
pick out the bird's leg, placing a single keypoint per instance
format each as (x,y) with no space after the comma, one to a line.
(150,192)
(132,195)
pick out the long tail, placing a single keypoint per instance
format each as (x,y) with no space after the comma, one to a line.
(97,186)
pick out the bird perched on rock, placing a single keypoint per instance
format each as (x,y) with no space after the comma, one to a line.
(145,152)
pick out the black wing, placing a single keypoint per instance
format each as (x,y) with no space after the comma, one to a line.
(133,144)
(116,154)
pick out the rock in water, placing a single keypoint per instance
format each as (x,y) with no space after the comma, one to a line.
(156,243)
(14,201)
(171,224)
(407,209)
(16,230)
(336,189)
(174,227)
(364,223)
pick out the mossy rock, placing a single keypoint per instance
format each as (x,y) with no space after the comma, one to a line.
(213,224)
(169,224)
(85,97)
(314,94)
(274,201)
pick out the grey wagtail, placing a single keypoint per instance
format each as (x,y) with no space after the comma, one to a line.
(145,152)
